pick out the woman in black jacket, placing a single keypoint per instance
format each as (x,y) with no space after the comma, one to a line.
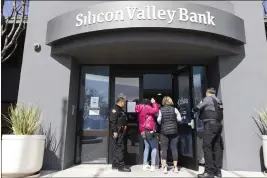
(168,118)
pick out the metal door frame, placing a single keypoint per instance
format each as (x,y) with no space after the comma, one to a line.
(188,162)
(79,117)
(114,72)
(118,71)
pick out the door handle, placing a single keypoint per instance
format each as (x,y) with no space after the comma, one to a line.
(192,124)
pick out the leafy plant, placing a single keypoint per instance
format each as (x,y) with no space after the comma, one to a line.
(261,121)
(23,120)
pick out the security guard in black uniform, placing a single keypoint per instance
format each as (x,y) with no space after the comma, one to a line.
(211,113)
(118,123)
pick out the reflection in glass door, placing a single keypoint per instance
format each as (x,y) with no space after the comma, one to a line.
(129,88)
(187,131)
(199,89)
(94,107)
(184,107)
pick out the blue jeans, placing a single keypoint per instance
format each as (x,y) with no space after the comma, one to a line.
(153,145)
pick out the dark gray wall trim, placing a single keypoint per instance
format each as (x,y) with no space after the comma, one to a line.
(145,14)
(70,128)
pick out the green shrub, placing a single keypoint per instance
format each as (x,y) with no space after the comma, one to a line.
(24,120)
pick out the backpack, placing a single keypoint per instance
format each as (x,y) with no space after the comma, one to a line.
(219,109)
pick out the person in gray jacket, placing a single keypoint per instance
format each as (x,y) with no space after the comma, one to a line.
(211,113)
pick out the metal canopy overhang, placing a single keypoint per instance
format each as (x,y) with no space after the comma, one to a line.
(145,47)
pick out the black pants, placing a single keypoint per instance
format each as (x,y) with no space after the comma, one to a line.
(165,141)
(118,150)
(213,147)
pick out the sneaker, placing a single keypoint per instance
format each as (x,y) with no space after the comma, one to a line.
(165,170)
(152,168)
(146,167)
(175,170)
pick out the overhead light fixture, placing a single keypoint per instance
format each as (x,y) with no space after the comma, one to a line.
(159,94)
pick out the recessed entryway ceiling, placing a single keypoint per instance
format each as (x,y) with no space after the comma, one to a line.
(145,47)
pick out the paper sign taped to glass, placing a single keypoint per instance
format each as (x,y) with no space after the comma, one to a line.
(131,106)
(94,111)
(94,102)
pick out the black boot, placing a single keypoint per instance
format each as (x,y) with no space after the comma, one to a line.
(205,175)
(114,166)
(124,169)
(218,175)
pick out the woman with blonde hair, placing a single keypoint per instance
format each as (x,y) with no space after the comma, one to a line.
(168,118)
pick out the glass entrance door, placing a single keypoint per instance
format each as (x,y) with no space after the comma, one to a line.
(128,87)
(145,81)
(92,127)
(178,85)
(182,88)
(199,90)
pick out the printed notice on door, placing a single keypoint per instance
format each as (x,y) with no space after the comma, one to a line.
(94,111)
(131,106)
(94,102)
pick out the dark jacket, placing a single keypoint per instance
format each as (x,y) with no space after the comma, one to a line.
(211,109)
(118,119)
(169,124)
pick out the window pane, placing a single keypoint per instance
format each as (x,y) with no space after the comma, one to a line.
(199,80)
(184,107)
(95,102)
(199,88)
(157,86)
(127,87)
(157,81)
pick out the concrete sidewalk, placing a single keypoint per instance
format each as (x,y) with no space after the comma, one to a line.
(100,170)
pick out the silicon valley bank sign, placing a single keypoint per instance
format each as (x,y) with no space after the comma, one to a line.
(148,13)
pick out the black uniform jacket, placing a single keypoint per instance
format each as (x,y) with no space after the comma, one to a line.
(118,119)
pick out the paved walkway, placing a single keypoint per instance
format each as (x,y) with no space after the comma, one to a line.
(100,170)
